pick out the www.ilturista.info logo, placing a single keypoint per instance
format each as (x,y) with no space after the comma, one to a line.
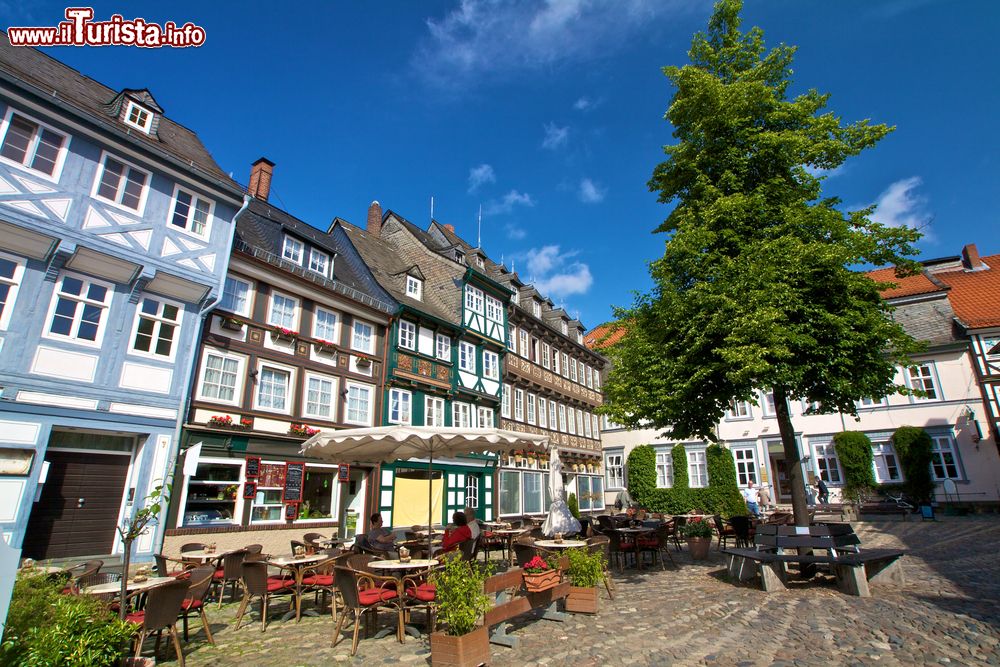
(79,29)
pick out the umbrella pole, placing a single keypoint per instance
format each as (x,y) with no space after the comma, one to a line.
(430,502)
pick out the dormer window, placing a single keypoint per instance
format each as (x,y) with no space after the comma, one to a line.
(479,262)
(564,325)
(138,117)
(459,257)
(579,337)
(318,261)
(536,308)
(293,250)
(414,288)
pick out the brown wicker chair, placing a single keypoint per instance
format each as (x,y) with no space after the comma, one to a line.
(664,536)
(231,572)
(744,532)
(163,607)
(619,549)
(257,584)
(318,578)
(254,549)
(96,579)
(313,540)
(199,582)
(468,549)
(365,593)
(724,531)
(163,566)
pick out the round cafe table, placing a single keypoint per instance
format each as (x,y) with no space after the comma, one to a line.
(565,544)
(397,568)
(131,586)
(510,534)
(201,555)
(298,565)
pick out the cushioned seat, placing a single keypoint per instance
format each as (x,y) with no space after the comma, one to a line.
(318,580)
(423,592)
(136,617)
(219,574)
(279,584)
(648,543)
(191,604)
(370,596)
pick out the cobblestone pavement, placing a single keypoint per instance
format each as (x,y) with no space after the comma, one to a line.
(947,613)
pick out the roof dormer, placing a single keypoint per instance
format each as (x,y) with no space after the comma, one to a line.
(137,109)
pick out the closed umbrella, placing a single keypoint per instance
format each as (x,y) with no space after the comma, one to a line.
(560,519)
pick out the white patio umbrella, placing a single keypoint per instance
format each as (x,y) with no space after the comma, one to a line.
(383,444)
(560,519)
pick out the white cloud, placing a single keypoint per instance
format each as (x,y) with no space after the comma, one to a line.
(515,232)
(900,205)
(583,104)
(590,192)
(556,274)
(555,136)
(480,176)
(481,38)
(828,173)
(507,203)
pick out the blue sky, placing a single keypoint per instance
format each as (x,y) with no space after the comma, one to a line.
(550,114)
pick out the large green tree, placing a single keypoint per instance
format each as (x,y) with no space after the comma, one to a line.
(754,289)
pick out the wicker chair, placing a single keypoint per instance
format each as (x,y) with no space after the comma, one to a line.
(600,544)
(664,536)
(468,549)
(163,566)
(618,549)
(96,579)
(199,582)
(254,549)
(296,544)
(743,530)
(231,572)
(420,593)
(365,593)
(605,524)
(679,522)
(724,531)
(163,607)
(257,584)
(313,540)
(319,579)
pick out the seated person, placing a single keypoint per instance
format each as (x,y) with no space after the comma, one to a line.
(379,538)
(455,536)
(472,522)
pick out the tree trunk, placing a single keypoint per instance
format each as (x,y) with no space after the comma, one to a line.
(126,552)
(793,459)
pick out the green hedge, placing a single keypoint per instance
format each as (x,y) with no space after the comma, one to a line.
(854,450)
(574,505)
(721,496)
(914,447)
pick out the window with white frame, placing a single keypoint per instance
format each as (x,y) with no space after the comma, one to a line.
(697,469)
(121,184)
(485,417)
(664,470)
(505,402)
(746,466)
(79,309)
(510,492)
(565,365)
(293,250)
(273,389)
(588,428)
(590,377)
(542,413)
(531,408)
(359,404)
(553,419)
(156,325)
(11,275)
(407,335)
(767,403)
(443,347)
(886,464)
(30,144)
(319,261)
(562,418)
(533,503)
(414,288)
(400,402)
(944,460)
(473,299)
(570,420)
(536,308)
(467,356)
(614,471)
(494,309)
(512,339)
(922,378)
(555,362)
(546,355)
(827,464)
(138,117)
(519,404)
(461,415)
(192,213)
(283,311)
(321,396)
(597,426)
(597,380)
(363,338)
(564,327)
(491,365)
(325,325)
(989,343)
(523,344)
(579,422)
(572,370)
(433,411)
(738,410)
(871,403)
(221,377)
(534,349)
(236,296)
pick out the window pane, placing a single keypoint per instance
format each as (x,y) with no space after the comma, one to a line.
(19,134)
(133,188)
(110,179)
(47,152)
(510,492)
(62,321)
(182,209)
(234,296)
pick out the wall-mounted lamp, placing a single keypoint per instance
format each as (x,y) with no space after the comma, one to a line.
(253,374)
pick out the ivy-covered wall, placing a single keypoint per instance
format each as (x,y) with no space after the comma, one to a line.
(721,496)
(854,450)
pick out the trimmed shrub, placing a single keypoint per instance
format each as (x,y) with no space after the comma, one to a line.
(854,450)
(574,506)
(914,447)
(721,496)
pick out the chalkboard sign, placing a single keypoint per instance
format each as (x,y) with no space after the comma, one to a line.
(291,512)
(253,467)
(249,490)
(344,473)
(294,477)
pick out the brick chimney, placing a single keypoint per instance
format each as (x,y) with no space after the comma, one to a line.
(374,226)
(450,227)
(970,257)
(260,178)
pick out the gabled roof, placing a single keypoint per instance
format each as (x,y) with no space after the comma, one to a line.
(905,286)
(604,335)
(975,295)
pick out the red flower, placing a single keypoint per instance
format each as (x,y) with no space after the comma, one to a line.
(536,565)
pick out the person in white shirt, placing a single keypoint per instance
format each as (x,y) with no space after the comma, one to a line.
(750,496)
(473,524)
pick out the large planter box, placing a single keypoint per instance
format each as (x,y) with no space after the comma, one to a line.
(582,600)
(699,546)
(466,651)
(541,581)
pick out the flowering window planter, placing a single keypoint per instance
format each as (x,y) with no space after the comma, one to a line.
(286,335)
(230,324)
(218,421)
(324,346)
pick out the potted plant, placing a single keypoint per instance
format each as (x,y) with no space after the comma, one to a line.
(517,457)
(586,573)
(324,346)
(281,333)
(698,534)
(540,576)
(230,323)
(461,602)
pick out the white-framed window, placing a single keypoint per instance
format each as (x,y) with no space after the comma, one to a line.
(236,296)
(597,380)
(466,356)
(494,309)
(565,365)
(461,415)
(614,471)
(746,466)
(472,491)
(11,275)
(443,346)
(283,311)
(505,401)
(536,308)
(531,408)
(664,470)
(273,388)
(697,469)
(944,459)
(138,116)
(293,250)
(564,327)
(572,370)
(414,288)
(512,339)
(767,404)
(553,419)
(827,464)
(79,310)
(886,463)
(221,377)
(871,403)
(570,420)
(590,492)
(30,144)
(321,397)
(510,492)
(597,426)
(523,344)
(590,377)
(562,418)
(325,325)
(433,411)
(407,335)
(491,365)
(485,417)
(542,413)
(555,362)
(546,355)
(210,479)
(473,299)
(579,422)
(739,410)
(922,377)
(156,324)
(359,404)
(587,425)
(192,213)
(363,337)
(319,261)
(400,404)
(121,183)
(533,492)
(519,405)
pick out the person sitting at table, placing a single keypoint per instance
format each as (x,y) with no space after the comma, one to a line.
(380,538)
(472,522)
(460,533)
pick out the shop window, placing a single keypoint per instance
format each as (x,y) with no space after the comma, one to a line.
(211,494)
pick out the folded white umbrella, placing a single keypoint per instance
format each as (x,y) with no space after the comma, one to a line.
(560,519)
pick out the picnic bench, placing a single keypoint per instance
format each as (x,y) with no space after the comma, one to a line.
(776,546)
(512,600)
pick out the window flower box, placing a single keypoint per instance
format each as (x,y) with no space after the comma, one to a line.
(362,361)
(302,430)
(225,421)
(231,323)
(282,334)
(325,346)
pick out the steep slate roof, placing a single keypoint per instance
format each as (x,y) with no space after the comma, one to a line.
(975,295)
(59,83)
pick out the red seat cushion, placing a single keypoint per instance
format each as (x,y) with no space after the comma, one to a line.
(137,617)
(279,583)
(190,604)
(423,592)
(650,544)
(318,580)
(627,546)
(371,596)
(219,574)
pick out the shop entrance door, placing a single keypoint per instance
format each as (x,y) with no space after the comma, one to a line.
(352,504)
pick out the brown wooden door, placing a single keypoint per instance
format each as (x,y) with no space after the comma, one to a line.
(78,510)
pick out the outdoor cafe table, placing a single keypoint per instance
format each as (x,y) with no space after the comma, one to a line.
(565,544)
(131,586)
(509,534)
(397,568)
(632,535)
(201,555)
(298,564)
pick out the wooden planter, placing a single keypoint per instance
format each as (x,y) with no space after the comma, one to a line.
(541,581)
(230,324)
(465,651)
(582,600)
(699,546)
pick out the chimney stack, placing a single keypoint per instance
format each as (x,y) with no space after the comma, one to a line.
(374,226)
(450,227)
(260,178)
(970,257)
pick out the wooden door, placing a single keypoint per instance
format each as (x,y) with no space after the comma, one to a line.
(78,509)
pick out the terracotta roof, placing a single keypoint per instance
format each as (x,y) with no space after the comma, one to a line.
(908,286)
(975,295)
(604,335)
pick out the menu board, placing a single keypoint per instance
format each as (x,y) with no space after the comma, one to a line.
(249,490)
(272,476)
(294,477)
(253,467)
(291,512)
(344,473)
